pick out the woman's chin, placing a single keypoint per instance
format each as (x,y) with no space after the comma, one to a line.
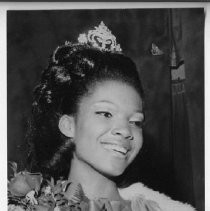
(113,172)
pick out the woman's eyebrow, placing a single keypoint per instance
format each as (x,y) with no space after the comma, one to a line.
(104,102)
(140,113)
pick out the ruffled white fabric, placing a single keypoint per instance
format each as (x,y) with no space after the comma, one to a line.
(138,191)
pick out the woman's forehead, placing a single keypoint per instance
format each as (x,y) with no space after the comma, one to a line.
(113,84)
(113,92)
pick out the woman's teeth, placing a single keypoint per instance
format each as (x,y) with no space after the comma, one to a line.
(116,148)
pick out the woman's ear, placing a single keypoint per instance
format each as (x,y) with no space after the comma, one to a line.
(67,125)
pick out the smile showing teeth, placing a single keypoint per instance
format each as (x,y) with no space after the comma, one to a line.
(116,148)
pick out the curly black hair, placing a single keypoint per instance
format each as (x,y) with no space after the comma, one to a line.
(72,70)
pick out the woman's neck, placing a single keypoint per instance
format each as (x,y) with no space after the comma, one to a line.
(94,184)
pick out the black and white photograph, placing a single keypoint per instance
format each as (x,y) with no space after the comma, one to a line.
(105,109)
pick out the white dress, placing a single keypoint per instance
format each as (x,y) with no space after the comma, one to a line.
(138,191)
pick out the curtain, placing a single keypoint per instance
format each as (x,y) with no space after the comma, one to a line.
(182,134)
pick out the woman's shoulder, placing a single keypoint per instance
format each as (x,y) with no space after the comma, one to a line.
(140,195)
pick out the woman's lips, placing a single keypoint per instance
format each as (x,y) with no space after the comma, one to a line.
(118,149)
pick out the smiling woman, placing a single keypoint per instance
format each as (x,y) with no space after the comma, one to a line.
(106,124)
(85,130)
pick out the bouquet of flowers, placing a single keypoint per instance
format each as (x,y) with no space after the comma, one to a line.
(30,191)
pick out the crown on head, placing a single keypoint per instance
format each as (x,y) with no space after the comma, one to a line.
(102,38)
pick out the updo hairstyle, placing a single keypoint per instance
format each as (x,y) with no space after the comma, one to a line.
(73,69)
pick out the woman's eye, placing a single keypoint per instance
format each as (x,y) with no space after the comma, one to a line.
(137,123)
(104,113)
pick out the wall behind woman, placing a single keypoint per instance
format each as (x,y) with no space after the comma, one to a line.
(33,35)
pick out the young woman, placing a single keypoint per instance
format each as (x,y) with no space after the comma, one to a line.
(86,129)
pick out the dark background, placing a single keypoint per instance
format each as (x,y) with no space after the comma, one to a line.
(172,159)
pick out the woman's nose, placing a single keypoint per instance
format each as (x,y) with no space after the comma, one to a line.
(122,130)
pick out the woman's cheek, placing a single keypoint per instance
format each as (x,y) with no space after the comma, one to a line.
(138,140)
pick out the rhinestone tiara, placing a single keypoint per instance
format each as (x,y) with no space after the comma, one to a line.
(102,38)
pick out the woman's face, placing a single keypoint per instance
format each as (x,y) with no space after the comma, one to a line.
(108,133)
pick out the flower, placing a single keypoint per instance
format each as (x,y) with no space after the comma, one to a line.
(23,182)
(13,207)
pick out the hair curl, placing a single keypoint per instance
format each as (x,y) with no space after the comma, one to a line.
(72,70)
